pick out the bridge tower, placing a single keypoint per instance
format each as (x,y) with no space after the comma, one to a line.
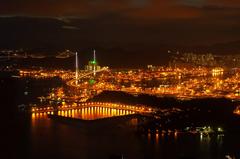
(94,62)
(76,73)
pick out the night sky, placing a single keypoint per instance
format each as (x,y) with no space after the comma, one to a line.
(140,26)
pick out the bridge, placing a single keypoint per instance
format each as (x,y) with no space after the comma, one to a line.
(74,81)
(93,72)
(75,106)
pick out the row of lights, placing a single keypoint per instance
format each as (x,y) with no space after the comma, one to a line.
(34,109)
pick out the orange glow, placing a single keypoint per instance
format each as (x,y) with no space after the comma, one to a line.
(92,113)
(33,116)
(157,138)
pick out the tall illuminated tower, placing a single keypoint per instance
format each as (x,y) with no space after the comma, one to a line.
(76,74)
(94,62)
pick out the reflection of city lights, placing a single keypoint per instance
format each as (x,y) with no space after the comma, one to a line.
(237,110)
(201,136)
(33,116)
(157,137)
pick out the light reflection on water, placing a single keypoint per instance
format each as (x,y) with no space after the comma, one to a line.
(158,144)
(92,113)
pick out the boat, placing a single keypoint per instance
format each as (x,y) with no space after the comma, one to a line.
(22,107)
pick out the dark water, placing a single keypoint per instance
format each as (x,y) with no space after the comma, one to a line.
(46,138)
(24,137)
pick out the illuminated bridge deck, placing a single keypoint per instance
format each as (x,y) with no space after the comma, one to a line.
(91,110)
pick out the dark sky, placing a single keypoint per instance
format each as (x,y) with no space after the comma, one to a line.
(125,24)
(176,21)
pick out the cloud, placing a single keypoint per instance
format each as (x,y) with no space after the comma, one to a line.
(146,9)
(135,8)
(224,3)
(158,9)
(70,27)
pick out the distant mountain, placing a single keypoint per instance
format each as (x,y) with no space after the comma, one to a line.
(229,48)
(65,54)
(48,37)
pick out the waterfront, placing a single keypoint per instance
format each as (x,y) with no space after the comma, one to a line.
(46,138)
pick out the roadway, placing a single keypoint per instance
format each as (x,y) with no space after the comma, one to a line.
(136,108)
